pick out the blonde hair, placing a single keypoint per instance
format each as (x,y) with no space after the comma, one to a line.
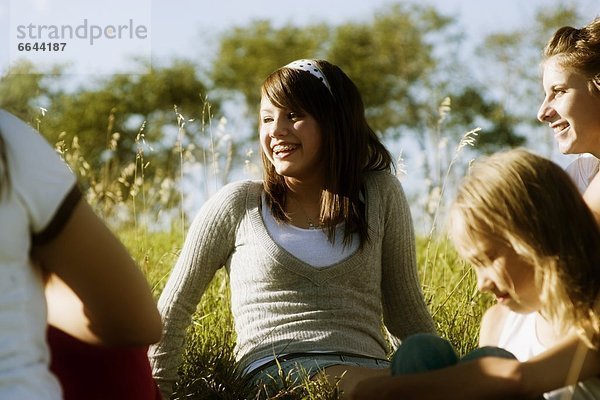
(531,204)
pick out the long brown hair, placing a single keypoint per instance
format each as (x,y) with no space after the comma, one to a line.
(529,203)
(350,146)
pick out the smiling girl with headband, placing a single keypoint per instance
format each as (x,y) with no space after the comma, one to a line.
(318,253)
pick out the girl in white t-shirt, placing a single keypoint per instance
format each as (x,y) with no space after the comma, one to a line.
(47,229)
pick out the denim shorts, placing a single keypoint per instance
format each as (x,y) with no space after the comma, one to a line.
(291,368)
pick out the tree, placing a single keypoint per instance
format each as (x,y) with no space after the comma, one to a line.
(23,91)
(391,60)
(110,129)
(246,55)
(386,57)
(513,73)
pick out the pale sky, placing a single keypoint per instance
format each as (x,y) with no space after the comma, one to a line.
(189,28)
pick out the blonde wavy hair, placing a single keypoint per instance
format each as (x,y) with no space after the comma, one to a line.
(530,204)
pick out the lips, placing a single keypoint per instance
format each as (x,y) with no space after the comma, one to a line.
(500,296)
(284,149)
(559,128)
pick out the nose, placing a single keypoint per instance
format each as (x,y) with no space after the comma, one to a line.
(546,112)
(280,128)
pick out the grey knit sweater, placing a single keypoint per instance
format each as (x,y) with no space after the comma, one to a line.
(283,305)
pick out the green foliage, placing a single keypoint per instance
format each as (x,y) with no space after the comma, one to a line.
(248,54)
(498,124)
(387,62)
(122,104)
(20,90)
(450,289)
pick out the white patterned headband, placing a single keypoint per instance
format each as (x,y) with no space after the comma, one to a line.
(311,67)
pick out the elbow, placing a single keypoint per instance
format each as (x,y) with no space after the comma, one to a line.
(147,331)
(519,386)
(155,328)
(141,331)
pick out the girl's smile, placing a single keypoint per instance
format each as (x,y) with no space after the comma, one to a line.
(570,109)
(291,140)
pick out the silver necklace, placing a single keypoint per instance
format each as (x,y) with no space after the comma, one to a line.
(309,221)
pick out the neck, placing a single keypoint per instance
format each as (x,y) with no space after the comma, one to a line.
(305,191)
(303,203)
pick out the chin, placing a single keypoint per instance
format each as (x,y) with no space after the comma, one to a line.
(566,149)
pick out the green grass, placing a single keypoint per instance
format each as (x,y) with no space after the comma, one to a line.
(209,370)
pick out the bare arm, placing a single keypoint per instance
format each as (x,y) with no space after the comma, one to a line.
(564,364)
(99,270)
(485,378)
(66,311)
(496,378)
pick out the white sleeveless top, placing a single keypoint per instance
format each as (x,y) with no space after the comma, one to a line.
(519,336)
(582,170)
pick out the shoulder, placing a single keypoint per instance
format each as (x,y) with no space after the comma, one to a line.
(232,200)
(382,181)
(24,144)
(43,182)
(385,189)
(14,129)
(582,170)
(238,192)
(585,161)
(491,325)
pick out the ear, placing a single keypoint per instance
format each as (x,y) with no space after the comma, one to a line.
(596,81)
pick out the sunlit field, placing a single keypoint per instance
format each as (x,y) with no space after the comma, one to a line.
(136,207)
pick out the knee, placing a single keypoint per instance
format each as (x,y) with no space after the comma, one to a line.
(488,351)
(423,352)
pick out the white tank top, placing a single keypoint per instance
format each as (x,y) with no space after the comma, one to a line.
(519,336)
(582,170)
(309,245)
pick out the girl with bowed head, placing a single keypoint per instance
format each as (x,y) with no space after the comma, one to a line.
(533,242)
(571,106)
(318,252)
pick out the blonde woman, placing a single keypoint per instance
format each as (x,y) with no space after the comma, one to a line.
(571,105)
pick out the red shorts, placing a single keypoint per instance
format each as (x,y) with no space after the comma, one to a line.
(97,372)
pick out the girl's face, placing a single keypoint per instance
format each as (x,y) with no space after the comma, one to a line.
(570,109)
(292,141)
(505,274)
